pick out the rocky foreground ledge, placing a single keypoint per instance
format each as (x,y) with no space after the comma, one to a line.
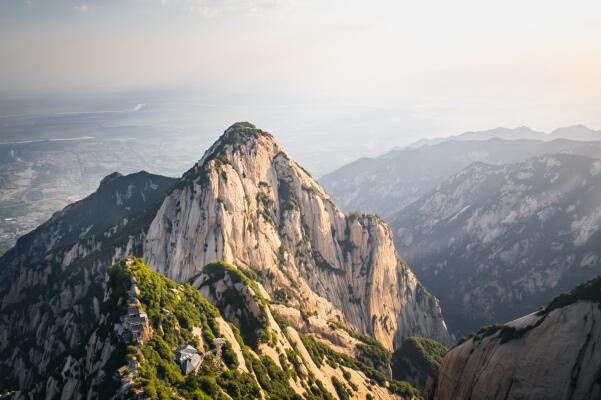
(554,353)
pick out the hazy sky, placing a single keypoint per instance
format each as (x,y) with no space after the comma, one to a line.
(465,64)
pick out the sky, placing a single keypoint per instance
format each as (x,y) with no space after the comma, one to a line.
(445,66)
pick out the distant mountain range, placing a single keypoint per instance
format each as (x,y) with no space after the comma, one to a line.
(495,242)
(574,132)
(494,227)
(386,184)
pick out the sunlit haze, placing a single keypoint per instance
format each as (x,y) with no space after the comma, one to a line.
(391,70)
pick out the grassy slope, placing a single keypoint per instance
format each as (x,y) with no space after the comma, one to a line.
(417,355)
(160,375)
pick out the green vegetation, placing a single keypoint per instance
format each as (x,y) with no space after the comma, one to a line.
(465,338)
(304,170)
(174,310)
(283,295)
(417,357)
(239,385)
(346,375)
(217,271)
(321,353)
(238,135)
(288,200)
(272,379)
(280,320)
(316,390)
(404,389)
(505,333)
(370,351)
(377,218)
(254,330)
(508,333)
(488,330)
(296,364)
(2,250)
(323,264)
(265,207)
(160,375)
(221,159)
(311,189)
(341,390)
(588,291)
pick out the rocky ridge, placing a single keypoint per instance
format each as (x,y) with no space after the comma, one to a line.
(52,282)
(387,184)
(550,354)
(246,202)
(494,242)
(574,132)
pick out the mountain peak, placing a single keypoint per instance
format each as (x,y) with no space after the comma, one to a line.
(237,135)
(571,128)
(576,132)
(576,126)
(240,125)
(249,204)
(242,133)
(110,178)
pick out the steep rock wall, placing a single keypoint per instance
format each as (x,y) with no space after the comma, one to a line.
(247,203)
(556,357)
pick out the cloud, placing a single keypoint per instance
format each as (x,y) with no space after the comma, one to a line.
(83,9)
(210,9)
(216,8)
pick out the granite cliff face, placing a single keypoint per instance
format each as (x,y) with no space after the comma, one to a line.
(495,242)
(551,354)
(247,203)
